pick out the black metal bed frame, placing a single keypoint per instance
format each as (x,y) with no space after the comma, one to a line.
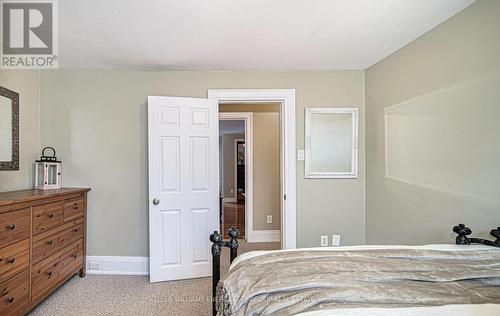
(217,244)
(464,231)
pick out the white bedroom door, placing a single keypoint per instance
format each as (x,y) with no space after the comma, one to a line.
(183,186)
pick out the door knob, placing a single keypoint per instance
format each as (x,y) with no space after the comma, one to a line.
(156,201)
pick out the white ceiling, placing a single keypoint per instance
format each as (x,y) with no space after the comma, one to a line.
(242,34)
(231,127)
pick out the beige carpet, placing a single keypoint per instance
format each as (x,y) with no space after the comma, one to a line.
(134,295)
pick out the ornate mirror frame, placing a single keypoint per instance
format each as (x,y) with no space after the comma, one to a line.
(13,164)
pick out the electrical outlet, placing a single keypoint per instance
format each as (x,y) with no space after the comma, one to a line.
(335,240)
(300,154)
(269,219)
(94,265)
(231,191)
(324,241)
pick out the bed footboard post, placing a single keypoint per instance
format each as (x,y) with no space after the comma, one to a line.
(462,231)
(233,243)
(217,244)
(496,233)
(216,240)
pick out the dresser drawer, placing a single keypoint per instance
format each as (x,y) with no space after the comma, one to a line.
(14,295)
(47,243)
(13,259)
(73,209)
(47,216)
(48,273)
(14,226)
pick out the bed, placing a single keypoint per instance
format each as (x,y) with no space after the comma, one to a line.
(459,279)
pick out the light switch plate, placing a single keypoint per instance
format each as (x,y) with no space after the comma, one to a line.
(324,241)
(300,154)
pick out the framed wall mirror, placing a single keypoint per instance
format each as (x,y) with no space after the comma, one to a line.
(331,143)
(9,129)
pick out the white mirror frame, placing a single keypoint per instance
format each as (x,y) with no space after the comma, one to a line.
(354,144)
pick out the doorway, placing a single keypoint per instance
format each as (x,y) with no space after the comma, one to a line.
(183,178)
(286,100)
(250,170)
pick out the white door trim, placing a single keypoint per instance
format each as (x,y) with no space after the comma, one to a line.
(236,167)
(266,235)
(288,131)
(247,117)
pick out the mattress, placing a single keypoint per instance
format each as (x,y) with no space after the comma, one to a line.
(445,310)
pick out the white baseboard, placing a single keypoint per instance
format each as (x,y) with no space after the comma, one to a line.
(131,265)
(229,200)
(117,265)
(264,236)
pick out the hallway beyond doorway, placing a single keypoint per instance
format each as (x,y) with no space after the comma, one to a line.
(234,216)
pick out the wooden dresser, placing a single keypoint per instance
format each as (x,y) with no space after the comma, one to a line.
(42,244)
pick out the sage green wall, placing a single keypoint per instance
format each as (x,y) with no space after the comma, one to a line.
(96,120)
(266,170)
(26,83)
(440,139)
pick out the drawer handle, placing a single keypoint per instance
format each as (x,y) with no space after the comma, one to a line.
(10,300)
(75,256)
(11,260)
(50,242)
(75,207)
(11,226)
(49,274)
(50,215)
(75,230)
